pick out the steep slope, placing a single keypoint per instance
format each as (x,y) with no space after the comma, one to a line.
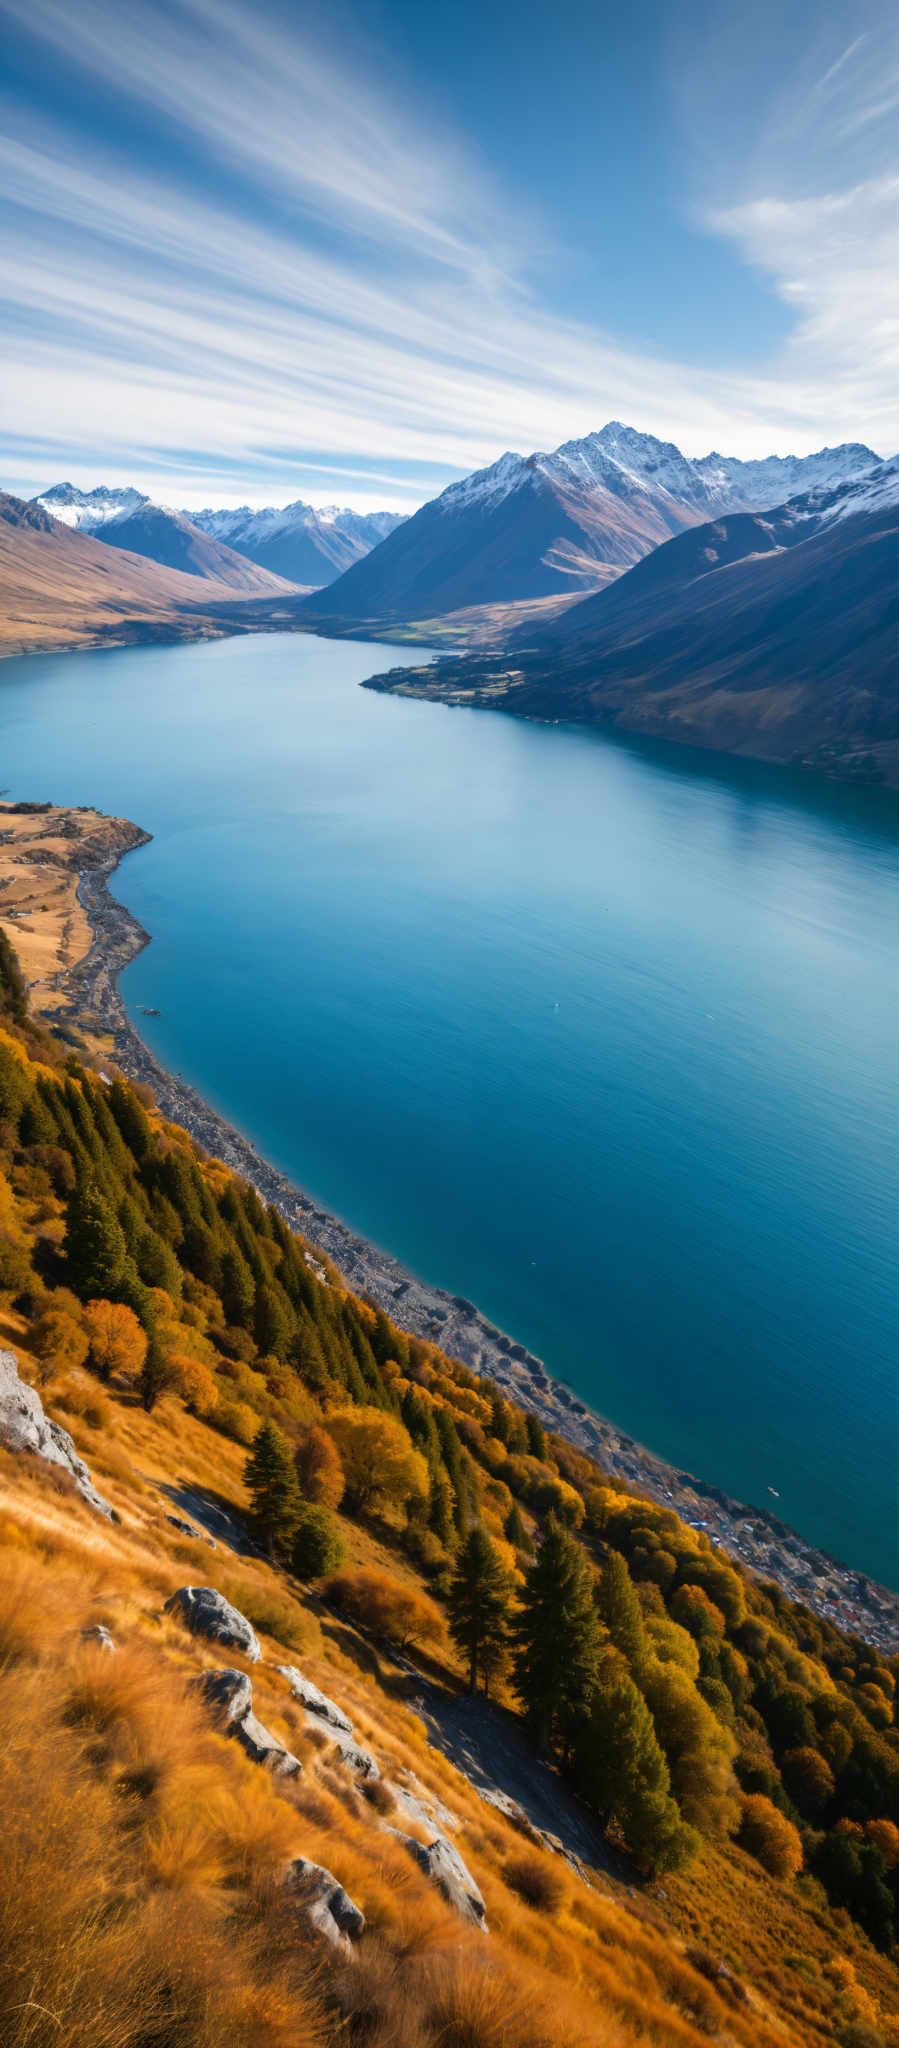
(63,588)
(298,541)
(536,526)
(173,540)
(776,637)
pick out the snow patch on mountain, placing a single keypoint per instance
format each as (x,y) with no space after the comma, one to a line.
(88,511)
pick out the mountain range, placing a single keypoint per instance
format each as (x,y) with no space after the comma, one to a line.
(297,544)
(547,525)
(62,587)
(774,634)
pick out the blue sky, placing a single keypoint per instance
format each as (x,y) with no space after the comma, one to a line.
(262,251)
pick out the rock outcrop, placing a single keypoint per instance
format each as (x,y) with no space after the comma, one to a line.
(440,1860)
(208,1613)
(325,1903)
(315,1702)
(25,1427)
(229,1694)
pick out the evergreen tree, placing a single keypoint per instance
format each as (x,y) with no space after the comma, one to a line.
(318,1546)
(624,1774)
(558,1639)
(515,1529)
(536,1435)
(13,994)
(273,1323)
(620,1611)
(272,1482)
(238,1288)
(94,1243)
(478,1606)
(155,1375)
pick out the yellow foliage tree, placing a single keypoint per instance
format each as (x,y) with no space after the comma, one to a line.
(770,1837)
(378,1459)
(193,1380)
(115,1337)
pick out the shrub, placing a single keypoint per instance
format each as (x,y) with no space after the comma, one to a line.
(318,1546)
(58,1341)
(537,1882)
(376,1602)
(770,1837)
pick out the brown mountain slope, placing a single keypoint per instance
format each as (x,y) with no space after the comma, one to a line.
(173,540)
(59,588)
(725,638)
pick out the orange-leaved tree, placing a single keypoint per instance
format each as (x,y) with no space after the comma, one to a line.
(117,1341)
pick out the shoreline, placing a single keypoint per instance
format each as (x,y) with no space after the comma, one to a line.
(755,1537)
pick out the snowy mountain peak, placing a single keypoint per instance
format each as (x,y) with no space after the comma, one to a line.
(87,511)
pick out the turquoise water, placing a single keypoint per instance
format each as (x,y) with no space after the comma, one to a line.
(602,1036)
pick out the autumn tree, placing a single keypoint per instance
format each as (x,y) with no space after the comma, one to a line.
(318,1467)
(378,1459)
(558,1639)
(478,1606)
(58,1339)
(117,1341)
(189,1377)
(770,1837)
(272,1483)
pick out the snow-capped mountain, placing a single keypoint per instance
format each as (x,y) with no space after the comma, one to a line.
(574,519)
(129,520)
(297,543)
(306,543)
(89,510)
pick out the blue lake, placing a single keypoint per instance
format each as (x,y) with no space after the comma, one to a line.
(600,1035)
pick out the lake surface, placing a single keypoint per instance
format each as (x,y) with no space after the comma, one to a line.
(602,1036)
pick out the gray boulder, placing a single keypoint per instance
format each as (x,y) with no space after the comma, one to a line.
(325,1903)
(440,1860)
(98,1635)
(208,1613)
(315,1702)
(187,1529)
(359,1761)
(264,1748)
(25,1427)
(229,1694)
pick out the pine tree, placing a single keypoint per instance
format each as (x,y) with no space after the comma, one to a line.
(624,1774)
(94,1243)
(238,1288)
(515,1529)
(13,993)
(155,1375)
(558,1639)
(478,1606)
(620,1611)
(272,1482)
(536,1435)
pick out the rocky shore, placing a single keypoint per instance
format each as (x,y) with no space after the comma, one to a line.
(91,1004)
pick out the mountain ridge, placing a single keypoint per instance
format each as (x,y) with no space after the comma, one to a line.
(535,526)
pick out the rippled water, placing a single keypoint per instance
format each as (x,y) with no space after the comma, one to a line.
(602,1036)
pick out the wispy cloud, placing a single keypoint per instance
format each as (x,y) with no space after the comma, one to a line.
(319,275)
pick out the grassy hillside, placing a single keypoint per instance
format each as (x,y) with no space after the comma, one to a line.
(208,1364)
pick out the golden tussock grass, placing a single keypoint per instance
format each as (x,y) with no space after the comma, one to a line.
(151,1848)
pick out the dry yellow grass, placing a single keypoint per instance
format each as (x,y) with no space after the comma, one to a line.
(169,1820)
